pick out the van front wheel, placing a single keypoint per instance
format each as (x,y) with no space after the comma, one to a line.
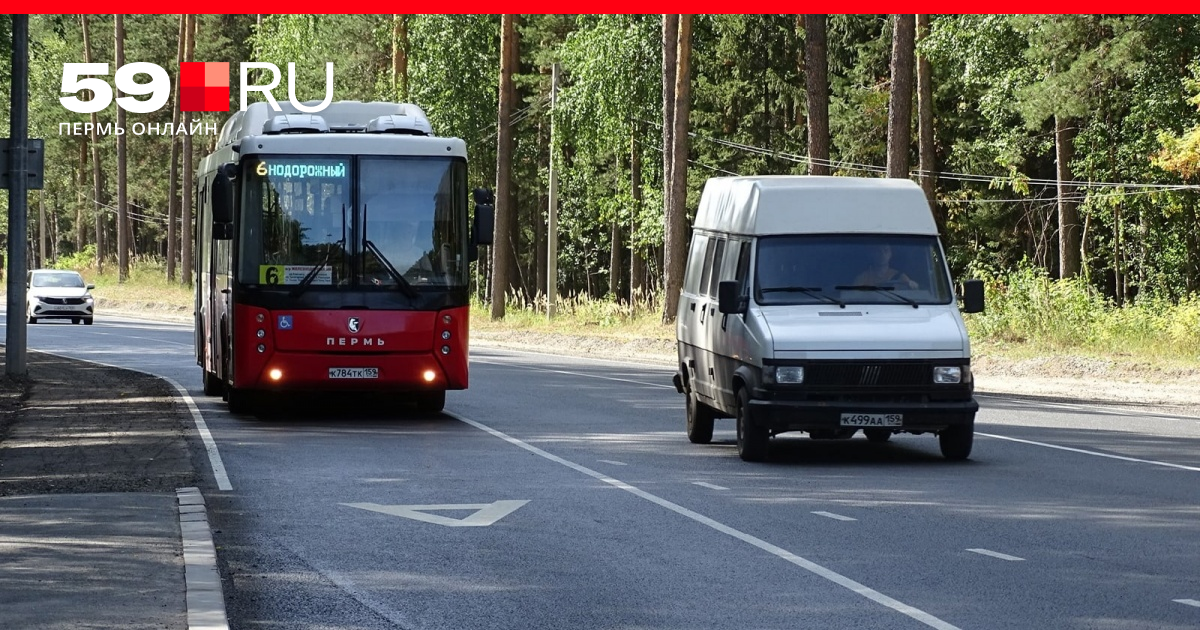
(956,441)
(752,441)
(699,420)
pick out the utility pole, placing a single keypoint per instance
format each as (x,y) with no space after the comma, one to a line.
(552,224)
(14,152)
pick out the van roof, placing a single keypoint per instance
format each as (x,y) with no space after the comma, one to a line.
(805,204)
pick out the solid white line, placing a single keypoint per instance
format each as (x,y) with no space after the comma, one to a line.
(710,486)
(835,516)
(1111,408)
(214,456)
(1187,602)
(997,554)
(664,363)
(203,594)
(1095,453)
(778,552)
(614,463)
(606,378)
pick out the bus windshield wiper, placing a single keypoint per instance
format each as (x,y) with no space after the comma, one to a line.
(401,283)
(813,291)
(888,291)
(312,274)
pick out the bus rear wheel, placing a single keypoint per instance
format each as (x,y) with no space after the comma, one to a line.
(431,402)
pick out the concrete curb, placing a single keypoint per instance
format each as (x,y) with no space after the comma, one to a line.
(205,599)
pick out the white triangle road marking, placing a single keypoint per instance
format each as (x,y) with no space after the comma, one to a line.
(485,513)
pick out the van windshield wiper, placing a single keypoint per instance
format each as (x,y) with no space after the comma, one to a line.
(888,291)
(813,291)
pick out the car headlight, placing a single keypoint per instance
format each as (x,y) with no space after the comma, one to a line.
(88,299)
(784,374)
(949,375)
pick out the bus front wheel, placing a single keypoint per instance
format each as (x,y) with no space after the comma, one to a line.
(431,402)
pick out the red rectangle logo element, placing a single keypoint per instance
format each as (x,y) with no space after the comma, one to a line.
(204,86)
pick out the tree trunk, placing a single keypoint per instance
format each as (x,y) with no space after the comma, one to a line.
(41,261)
(614,262)
(400,56)
(501,251)
(816,84)
(899,135)
(173,185)
(80,200)
(637,266)
(926,149)
(676,240)
(97,172)
(1069,242)
(185,232)
(122,200)
(670,60)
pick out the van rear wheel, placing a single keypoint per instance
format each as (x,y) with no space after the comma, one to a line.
(752,441)
(700,419)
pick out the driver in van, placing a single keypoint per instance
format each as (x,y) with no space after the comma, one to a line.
(881,272)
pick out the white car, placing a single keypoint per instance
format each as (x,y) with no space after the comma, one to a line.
(55,294)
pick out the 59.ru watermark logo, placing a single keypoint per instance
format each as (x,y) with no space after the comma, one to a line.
(203,86)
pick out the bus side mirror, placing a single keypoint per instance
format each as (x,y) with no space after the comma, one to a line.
(485,217)
(729,297)
(973,296)
(222,205)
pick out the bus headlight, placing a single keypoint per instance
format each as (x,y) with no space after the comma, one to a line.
(948,375)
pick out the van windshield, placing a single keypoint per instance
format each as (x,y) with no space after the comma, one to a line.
(851,269)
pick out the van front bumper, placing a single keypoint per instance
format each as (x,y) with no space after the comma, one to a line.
(824,416)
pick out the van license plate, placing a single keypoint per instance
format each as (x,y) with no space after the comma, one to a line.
(872,419)
(357,372)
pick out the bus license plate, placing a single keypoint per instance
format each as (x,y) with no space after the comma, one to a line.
(872,419)
(356,372)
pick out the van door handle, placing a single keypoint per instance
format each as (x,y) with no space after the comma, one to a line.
(693,305)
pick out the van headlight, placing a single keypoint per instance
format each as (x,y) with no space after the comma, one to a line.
(951,375)
(784,374)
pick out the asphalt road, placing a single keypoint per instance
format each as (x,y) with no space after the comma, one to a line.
(565,495)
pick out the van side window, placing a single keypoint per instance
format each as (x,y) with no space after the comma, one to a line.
(695,264)
(708,267)
(742,272)
(715,267)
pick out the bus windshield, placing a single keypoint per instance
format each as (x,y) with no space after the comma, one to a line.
(369,222)
(851,269)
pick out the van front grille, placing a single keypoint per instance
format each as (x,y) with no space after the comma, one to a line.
(868,375)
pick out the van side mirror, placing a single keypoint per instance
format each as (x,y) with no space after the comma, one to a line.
(729,297)
(973,296)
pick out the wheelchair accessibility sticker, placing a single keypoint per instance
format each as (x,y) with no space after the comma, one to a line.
(285,322)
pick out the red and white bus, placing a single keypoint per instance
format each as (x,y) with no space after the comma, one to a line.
(332,254)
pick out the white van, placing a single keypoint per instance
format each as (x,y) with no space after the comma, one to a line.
(823,304)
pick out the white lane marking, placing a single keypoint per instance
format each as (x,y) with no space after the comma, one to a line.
(657,364)
(776,551)
(1095,453)
(214,456)
(1187,602)
(613,462)
(838,517)
(1111,410)
(711,486)
(485,513)
(204,597)
(210,445)
(996,554)
(606,378)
